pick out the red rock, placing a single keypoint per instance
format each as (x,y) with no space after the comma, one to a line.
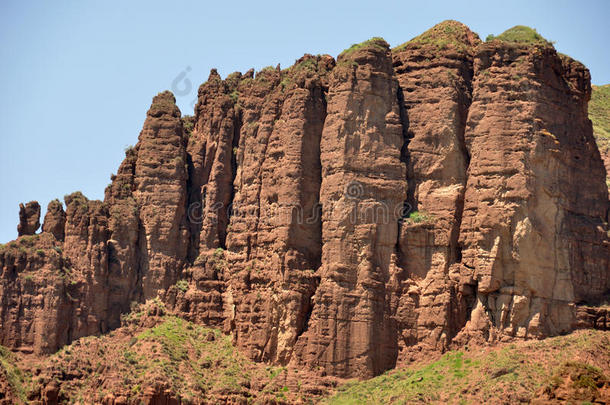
(350,331)
(160,193)
(29,218)
(55,220)
(280,217)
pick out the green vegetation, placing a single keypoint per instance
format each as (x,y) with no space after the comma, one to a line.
(182,285)
(78,198)
(514,373)
(195,361)
(420,216)
(18,381)
(234,96)
(188,123)
(520,34)
(375,42)
(443,35)
(262,74)
(307,65)
(599,113)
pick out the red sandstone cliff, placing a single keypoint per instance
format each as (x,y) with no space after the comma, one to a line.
(340,216)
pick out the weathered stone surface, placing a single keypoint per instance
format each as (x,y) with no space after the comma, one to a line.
(35,310)
(29,218)
(160,194)
(534,230)
(85,251)
(434,82)
(340,217)
(55,220)
(123,248)
(274,241)
(211,173)
(363,188)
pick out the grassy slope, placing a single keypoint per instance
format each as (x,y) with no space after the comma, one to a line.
(375,42)
(191,361)
(14,381)
(443,35)
(513,373)
(599,113)
(520,34)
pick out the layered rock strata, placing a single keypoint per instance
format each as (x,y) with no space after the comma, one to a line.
(340,216)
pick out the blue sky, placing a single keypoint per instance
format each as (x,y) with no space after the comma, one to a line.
(76,78)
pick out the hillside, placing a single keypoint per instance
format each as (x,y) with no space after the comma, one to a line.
(599,113)
(565,369)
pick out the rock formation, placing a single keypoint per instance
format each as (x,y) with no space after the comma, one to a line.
(29,218)
(341,216)
(55,220)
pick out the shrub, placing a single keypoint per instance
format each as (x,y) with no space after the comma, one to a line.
(182,285)
(234,96)
(188,123)
(420,216)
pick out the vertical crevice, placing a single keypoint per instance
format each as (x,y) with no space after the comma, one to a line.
(194,208)
(463,297)
(315,216)
(408,204)
(237,124)
(464,102)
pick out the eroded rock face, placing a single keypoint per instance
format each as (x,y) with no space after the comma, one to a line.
(340,216)
(160,194)
(363,188)
(29,218)
(35,311)
(534,227)
(55,220)
(85,251)
(434,82)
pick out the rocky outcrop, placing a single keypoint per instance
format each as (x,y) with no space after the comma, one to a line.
(534,227)
(274,240)
(363,188)
(29,218)
(435,81)
(123,247)
(341,216)
(160,193)
(35,311)
(85,251)
(55,220)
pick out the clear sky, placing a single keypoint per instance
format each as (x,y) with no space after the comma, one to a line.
(76,77)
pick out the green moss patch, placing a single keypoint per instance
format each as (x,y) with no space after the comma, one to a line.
(375,42)
(443,35)
(599,113)
(520,34)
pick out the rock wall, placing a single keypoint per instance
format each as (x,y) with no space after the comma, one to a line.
(340,216)
(363,188)
(435,83)
(527,252)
